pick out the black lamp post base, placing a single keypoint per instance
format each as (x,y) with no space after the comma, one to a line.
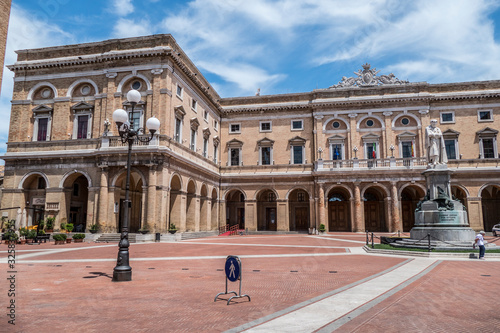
(122,276)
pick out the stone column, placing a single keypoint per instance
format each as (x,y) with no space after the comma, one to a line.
(250,215)
(283,223)
(358,213)
(196,213)
(425,120)
(396,221)
(151,200)
(387,135)
(353,140)
(103,211)
(321,205)
(92,203)
(222,214)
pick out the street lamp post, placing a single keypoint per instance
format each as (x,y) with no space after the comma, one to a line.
(125,124)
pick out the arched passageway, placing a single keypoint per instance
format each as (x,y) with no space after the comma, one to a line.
(410,196)
(375,220)
(266,211)
(338,210)
(175,203)
(235,209)
(298,203)
(490,200)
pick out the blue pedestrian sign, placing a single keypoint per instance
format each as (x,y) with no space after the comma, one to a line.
(232,268)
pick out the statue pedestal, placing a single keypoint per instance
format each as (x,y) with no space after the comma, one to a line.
(438,214)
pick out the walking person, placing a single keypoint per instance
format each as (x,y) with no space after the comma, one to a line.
(479,241)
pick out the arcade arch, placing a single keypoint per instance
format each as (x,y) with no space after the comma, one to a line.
(298,205)
(339,210)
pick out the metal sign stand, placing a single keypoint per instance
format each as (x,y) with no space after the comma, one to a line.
(233,273)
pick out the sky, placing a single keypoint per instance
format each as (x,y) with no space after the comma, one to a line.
(278,46)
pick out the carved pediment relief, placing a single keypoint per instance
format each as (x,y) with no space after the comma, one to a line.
(216,140)
(297,141)
(368,77)
(194,123)
(449,133)
(206,132)
(370,136)
(406,135)
(487,132)
(336,139)
(82,106)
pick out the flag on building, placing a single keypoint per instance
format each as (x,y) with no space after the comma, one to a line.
(374,153)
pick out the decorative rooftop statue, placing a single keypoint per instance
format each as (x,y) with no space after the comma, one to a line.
(368,78)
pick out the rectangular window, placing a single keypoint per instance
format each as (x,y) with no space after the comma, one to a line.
(451,152)
(193,140)
(301,197)
(179,91)
(297,155)
(205,147)
(265,155)
(83,122)
(488,149)
(178,126)
(42,129)
(216,148)
(205,115)
(194,104)
(137,118)
(234,128)
(216,125)
(447,117)
(234,156)
(297,125)
(371,151)
(406,149)
(265,126)
(336,150)
(484,115)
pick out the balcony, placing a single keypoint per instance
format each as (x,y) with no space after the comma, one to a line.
(364,164)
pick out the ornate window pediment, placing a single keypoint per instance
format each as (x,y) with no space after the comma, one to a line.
(42,109)
(370,137)
(449,133)
(234,143)
(336,139)
(265,142)
(297,141)
(206,133)
(194,123)
(487,132)
(216,141)
(82,106)
(406,136)
(179,111)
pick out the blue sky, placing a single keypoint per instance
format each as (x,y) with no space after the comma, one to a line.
(282,46)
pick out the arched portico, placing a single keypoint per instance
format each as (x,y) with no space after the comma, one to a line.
(299,210)
(339,210)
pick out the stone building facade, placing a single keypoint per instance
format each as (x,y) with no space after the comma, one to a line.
(4,25)
(350,156)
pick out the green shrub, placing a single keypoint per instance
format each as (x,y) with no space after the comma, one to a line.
(23,232)
(172,227)
(49,223)
(63,226)
(94,227)
(60,237)
(69,227)
(78,236)
(322,227)
(31,234)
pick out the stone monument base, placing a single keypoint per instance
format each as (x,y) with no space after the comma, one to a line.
(444,234)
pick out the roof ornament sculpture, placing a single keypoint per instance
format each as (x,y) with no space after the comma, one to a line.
(368,78)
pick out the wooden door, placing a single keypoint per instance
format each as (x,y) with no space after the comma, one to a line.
(271,219)
(339,220)
(372,216)
(301,218)
(241,218)
(408,214)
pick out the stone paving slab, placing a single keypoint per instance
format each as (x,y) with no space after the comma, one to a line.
(174,286)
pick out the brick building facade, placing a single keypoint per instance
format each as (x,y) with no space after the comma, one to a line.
(350,156)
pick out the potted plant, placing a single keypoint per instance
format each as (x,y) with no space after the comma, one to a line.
(78,238)
(93,228)
(172,229)
(10,234)
(49,224)
(69,227)
(63,226)
(60,239)
(41,225)
(30,236)
(144,230)
(322,228)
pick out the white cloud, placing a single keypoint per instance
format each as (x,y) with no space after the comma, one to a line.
(123,7)
(247,77)
(130,28)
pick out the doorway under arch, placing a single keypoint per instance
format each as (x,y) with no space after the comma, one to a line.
(410,196)
(191,207)
(266,211)
(338,210)
(490,201)
(375,220)
(298,203)
(235,209)
(175,203)
(135,196)
(78,200)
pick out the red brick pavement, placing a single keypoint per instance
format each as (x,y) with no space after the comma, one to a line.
(178,295)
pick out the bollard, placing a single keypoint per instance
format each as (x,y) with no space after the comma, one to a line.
(429,241)
(372,241)
(399,234)
(367,239)
(157,238)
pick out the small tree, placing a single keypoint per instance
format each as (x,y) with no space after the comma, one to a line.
(69,227)
(49,223)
